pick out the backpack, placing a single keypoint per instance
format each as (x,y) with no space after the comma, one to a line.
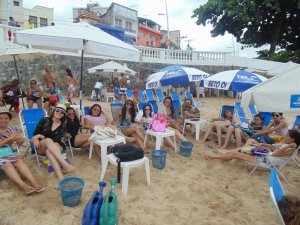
(159,122)
(126,153)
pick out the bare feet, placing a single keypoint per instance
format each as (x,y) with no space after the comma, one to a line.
(69,169)
(205,156)
(130,139)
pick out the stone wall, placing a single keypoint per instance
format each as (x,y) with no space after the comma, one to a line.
(34,69)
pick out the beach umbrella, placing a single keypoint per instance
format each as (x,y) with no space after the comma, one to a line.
(235,80)
(13,52)
(77,37)
(278,94)
(175,75)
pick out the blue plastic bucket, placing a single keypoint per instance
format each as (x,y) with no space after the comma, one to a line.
(71,190)
(186,148)
(159,158)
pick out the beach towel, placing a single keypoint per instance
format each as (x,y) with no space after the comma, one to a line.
(101,133)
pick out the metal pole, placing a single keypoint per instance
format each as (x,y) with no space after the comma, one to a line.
(80,92)
(16,67)
(168,31)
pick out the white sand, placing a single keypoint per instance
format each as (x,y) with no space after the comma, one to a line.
(188,191)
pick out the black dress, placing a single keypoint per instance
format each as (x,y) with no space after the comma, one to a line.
(73,129)
(57,135)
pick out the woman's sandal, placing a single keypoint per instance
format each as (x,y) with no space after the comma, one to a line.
(39,189)
(29,190)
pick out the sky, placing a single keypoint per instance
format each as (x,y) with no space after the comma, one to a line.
(179,13)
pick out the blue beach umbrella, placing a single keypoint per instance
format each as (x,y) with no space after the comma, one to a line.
(176,76)
(235,80)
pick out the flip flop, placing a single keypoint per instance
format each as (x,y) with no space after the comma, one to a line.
(213,148)
(39,189)
(29,190)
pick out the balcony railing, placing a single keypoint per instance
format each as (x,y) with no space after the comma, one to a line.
(7,33)
(161,55)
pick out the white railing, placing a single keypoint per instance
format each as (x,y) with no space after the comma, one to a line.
(161,55)
(7,33)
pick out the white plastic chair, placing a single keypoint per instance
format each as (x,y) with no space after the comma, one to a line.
(126,166)
(197,125)
(159,137)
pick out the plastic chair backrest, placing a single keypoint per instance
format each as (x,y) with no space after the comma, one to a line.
(86,110)
(160,95)
(188,95)
(154,106)
(129,93)
(297,121)
(252,110)
(267,116)
(30,119)
(276,192)
(149,95)
(240,112)
(140,105)
(114,107)
(142,96)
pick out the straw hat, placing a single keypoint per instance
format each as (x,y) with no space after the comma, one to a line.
(61,106)
(4,110)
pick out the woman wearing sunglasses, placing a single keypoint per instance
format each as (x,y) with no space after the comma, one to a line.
(124,118)
(48,137)
(274,131)
(34,95)
(172,115)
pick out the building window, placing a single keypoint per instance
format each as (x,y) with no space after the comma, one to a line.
(43,22)
(34,20)
(16,3)
(128,26)
(118,23)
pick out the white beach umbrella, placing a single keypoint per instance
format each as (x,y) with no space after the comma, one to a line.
(13,52)
(77,37)
(111,67)
(278,94)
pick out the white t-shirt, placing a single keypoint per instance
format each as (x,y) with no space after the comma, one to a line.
(98,85)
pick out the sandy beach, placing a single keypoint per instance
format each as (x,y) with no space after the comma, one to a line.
(188,191)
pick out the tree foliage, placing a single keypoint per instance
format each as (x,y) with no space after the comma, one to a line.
(254,23)
(281,56)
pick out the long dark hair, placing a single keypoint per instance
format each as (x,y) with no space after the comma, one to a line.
(131,111)
(171,106)
(144,111)
(69,72)
(295,135)
(76,119)
(93,106)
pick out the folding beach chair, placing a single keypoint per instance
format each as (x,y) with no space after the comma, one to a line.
(114,107)
(29,119)
(267,116)
(276,192)
(278,163)
(297,121)
(149,95)
(252,110)
(159,95)
(240,113)
(188,95)
(141,95)
(129,93)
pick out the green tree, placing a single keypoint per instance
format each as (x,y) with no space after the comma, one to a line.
(254,23)
(281,56)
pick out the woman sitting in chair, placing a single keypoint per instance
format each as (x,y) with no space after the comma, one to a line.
(13,165)
(125,117)
(48,137)
(247,153)
(220,125)
(34,95)
(172,114)
(10,94)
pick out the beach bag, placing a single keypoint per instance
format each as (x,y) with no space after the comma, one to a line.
(126,153)
(159,122)
(101,133)
(53,99)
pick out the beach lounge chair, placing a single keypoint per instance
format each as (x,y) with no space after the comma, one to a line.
(141,95)
(176,101)
(188,95)
(252,110)
(267,116)
(224,107)
(129,93)
(149,95)
(276,192)
(297,121)
(240,113)
(114,107)
(29,119)
(278,163)
(159,95)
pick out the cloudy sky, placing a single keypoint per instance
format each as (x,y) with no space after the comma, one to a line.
(179,11)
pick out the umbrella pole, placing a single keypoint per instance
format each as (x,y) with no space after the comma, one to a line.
(16,67)
(80,92)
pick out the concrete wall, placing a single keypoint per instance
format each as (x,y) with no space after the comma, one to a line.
(34,69)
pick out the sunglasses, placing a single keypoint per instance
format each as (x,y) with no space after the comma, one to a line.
(276,115)
(147,109)
(62,112)
(32,83)
(128,103)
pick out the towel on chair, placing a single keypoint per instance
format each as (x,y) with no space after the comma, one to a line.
(101,133)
